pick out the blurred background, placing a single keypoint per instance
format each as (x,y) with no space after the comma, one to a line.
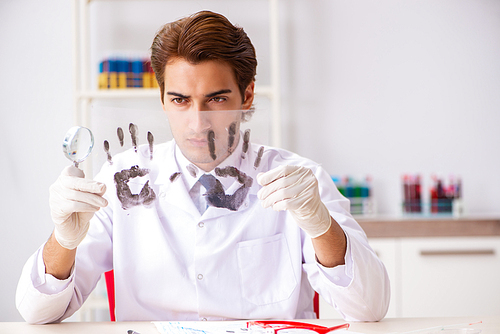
(368,88)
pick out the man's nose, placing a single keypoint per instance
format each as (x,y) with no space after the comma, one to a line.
(198,119)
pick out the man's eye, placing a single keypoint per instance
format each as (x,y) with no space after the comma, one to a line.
(219,99)
(178,100)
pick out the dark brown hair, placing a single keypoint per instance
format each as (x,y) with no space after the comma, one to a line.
(204,36)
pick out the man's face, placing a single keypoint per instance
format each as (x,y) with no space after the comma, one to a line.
(204,105)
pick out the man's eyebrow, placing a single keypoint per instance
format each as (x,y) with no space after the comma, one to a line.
(222,91)
(178,95)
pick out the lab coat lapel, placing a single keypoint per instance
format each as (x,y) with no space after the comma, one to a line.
(214,212)
(172,189)
(175,192)
(246,167)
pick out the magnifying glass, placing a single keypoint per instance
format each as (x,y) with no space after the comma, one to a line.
(78,144)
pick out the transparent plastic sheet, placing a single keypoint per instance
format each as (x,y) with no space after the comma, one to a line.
(206,138)
(105,120)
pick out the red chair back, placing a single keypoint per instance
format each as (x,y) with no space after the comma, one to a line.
(316,304)
(110,287)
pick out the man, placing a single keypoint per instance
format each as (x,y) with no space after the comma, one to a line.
(208,226)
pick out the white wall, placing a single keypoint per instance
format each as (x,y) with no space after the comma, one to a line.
(393,87)
(36,106)
(378,88)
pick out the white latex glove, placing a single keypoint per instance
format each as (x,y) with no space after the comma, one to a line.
(73,201)
(295,189)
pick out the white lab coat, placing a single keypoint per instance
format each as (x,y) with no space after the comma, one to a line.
(172,263)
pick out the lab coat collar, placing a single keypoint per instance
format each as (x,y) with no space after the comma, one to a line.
(172,187)
(167,166)
(246,165)
(191,173)
(176,192)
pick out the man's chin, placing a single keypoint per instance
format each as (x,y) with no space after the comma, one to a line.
(204,159)
(197,159)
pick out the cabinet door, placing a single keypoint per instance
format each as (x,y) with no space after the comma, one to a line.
(386,250)
(450,276)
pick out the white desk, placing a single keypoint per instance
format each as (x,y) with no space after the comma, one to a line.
(490,325)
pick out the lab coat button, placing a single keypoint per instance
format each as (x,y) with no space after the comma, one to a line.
(163,194)
(203,319)
(201,224)
(200,277)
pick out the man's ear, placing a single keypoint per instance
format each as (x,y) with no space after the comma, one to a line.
(163,107)
(248,96)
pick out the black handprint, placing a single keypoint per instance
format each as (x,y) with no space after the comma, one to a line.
(218,198)
(127,198)
(215,194)
(144,197)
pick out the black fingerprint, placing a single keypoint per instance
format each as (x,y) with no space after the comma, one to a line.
(211,144)
(151,140)
(133,133)
(246,140)
(106,149)
(119,132)
(259,157)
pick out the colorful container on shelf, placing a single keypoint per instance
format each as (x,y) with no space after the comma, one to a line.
(412,194)
(119,73)
(443,198)
(358,192)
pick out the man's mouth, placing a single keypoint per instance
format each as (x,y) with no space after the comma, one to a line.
(198,142)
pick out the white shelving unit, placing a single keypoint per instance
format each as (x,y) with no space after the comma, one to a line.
(85,93)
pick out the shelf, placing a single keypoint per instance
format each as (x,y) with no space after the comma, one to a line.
(439,226)
(85,95)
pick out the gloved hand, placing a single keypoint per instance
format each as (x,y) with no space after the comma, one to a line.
(73,201)
(295,189)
